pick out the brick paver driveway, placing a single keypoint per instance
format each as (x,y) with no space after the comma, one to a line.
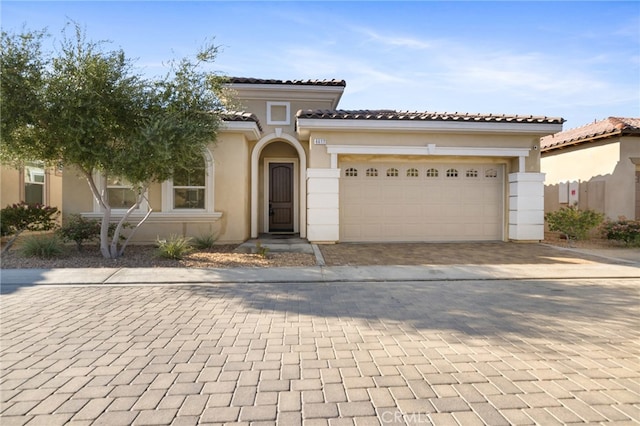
(494,352)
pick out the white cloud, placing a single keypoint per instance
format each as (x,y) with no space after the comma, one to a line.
(393,40)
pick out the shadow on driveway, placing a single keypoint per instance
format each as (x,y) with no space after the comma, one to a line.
(565,309)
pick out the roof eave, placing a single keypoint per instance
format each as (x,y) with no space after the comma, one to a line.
(289,92)
(306,125)
(587,139)
(249,129)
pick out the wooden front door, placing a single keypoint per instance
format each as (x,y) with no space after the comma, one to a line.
(280,197)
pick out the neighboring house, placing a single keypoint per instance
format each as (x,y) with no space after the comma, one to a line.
(294,163)
(34,183)
(596,166)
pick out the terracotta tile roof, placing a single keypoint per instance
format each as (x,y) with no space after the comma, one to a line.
(385,114)
(245,80)
(241,116)
(612,126)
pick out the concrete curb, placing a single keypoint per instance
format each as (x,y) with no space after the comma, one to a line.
(93,276)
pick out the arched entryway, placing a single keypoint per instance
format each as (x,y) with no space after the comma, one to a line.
(277,167)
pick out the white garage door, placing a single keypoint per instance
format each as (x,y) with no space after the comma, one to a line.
(421,202)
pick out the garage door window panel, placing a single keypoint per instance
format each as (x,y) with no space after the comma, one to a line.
(351,172)
(432,173)
(413,173)
(491,173)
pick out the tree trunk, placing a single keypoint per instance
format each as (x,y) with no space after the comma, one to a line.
(9,243)
(102,198)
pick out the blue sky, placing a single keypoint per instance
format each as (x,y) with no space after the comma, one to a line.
(577,60)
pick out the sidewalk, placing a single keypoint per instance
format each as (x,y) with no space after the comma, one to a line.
(113,276)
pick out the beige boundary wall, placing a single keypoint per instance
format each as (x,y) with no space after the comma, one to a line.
(602,177)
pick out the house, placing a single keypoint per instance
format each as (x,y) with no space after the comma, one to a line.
(295,163)
(33,183)
(596,166)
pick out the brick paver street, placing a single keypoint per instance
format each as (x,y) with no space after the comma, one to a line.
(456,352)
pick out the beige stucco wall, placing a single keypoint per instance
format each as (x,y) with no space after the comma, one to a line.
(11,191)
(580,163)
(9,186)
(605,172)
(231,198)
(319,158)
(259,108)
(232,187)
(76,197)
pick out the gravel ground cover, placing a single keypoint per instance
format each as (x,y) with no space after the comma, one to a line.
(224,256)
(137,256)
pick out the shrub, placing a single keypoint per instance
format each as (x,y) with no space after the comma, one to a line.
(572,222)
(21,217)
(79,229)
(43,246)
(627,231)
(204,242)
(175,247)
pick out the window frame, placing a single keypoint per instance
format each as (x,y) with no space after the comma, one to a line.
(101,182)
(24,182)
(168,194)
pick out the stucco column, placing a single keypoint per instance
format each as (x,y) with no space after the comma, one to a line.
(323,213)
(526,206)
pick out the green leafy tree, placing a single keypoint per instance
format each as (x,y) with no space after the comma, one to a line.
(23,66)
(94,113)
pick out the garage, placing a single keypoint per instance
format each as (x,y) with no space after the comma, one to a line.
(421,201)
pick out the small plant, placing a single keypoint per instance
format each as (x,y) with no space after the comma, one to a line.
(626,231)
(175,247)
(42,246)
(21,217)
(205,242)
(79,229)
(263,251)
(573,223)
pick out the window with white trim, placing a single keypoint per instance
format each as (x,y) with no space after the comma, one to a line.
(392,172)
(34,180)
(120,194)
(432,173)
(452,173)
(472,173)
(278,113)
(189,188)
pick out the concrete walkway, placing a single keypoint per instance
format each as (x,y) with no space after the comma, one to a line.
(10,277)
